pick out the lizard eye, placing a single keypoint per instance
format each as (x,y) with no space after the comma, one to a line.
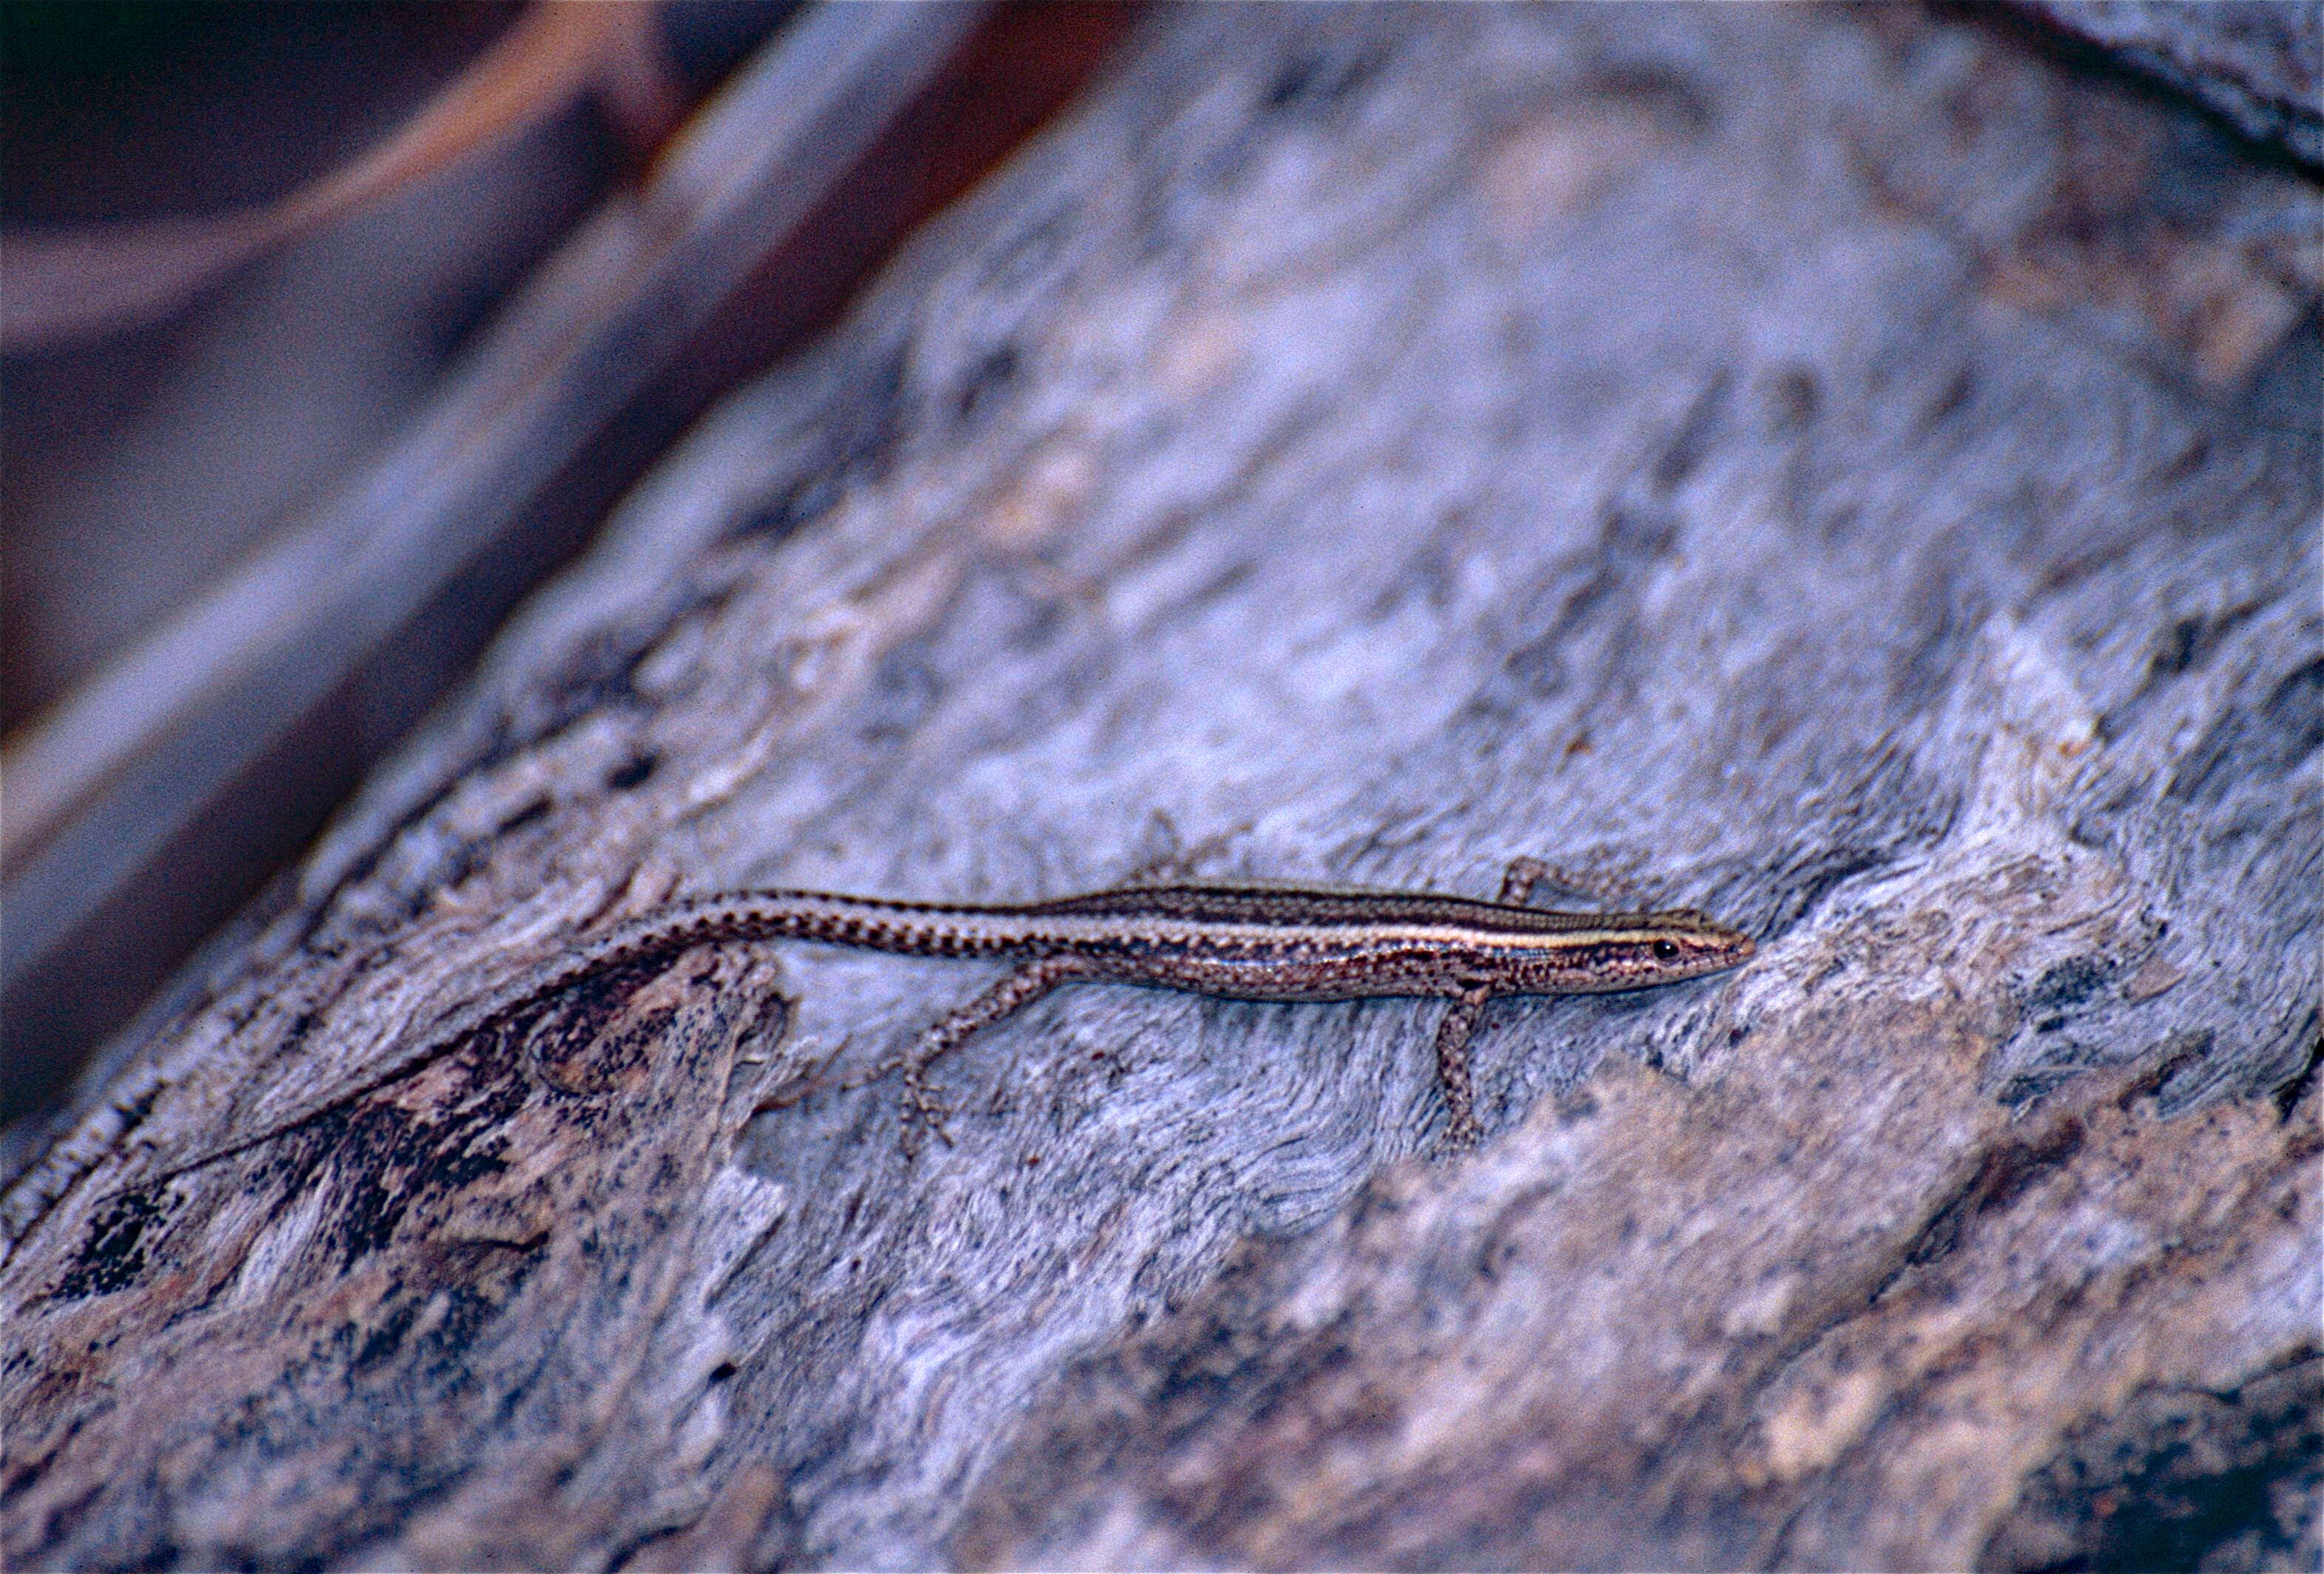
(1666,950)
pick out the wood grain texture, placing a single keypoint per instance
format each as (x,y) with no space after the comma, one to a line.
(1830,468)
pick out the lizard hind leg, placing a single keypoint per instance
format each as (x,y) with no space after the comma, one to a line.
(923,1110)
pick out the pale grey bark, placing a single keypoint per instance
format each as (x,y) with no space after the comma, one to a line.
(1828,467)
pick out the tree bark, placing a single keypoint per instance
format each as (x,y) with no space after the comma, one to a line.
(1833,468)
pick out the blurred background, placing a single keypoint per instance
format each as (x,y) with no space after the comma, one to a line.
(329,332)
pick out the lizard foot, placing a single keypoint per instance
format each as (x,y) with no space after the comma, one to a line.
(925,1115)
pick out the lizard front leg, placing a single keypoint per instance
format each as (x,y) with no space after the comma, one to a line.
(1453,1033)
(1526,872)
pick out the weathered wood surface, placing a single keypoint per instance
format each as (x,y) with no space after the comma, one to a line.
(1829,467)
(2258,64)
